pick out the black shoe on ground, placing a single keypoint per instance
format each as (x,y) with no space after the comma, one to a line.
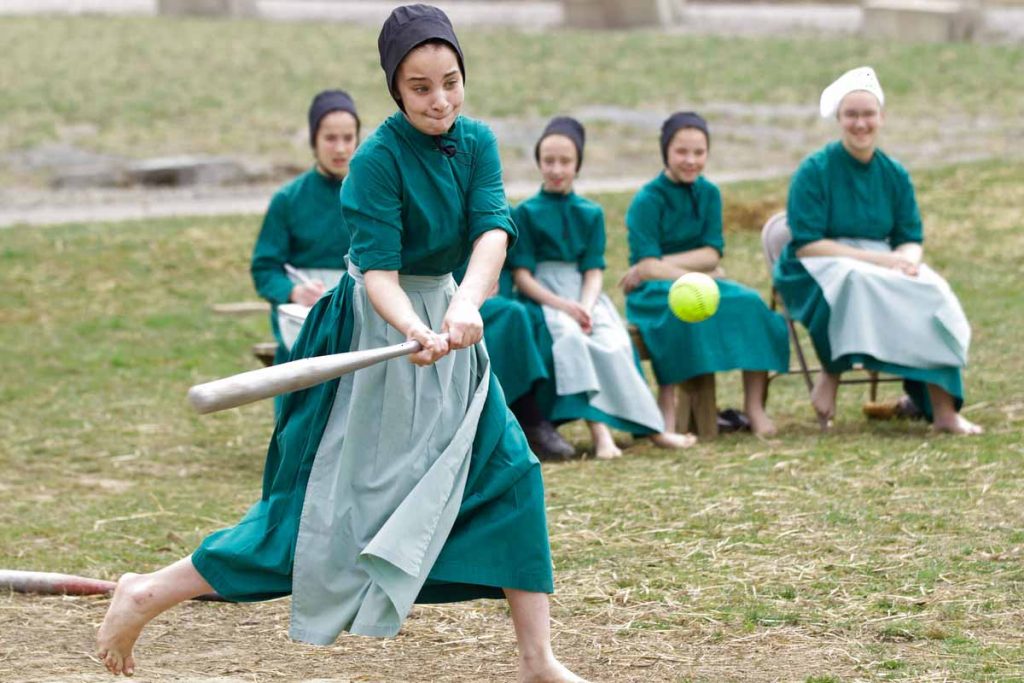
(732,420)
(547,443)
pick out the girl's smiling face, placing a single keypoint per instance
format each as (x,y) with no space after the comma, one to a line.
(429,83)
(558,160)
(687,154)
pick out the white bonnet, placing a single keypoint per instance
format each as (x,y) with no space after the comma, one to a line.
(861,78)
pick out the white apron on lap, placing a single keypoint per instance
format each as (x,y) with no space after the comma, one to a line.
(912,321)
(291,316)
(388,476)
(599,364)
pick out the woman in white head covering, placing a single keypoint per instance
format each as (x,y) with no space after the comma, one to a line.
(853,273)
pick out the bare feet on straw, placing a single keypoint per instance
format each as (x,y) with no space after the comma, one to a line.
(674,441)
(604,444)
(129,611)
(607,451)
(823,397)
(546,670)
(761,424)
(957,424)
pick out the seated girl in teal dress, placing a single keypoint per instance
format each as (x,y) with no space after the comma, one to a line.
(405,481)
(300,251)
(520,365)
(675,227)
(559,264)
(853,273)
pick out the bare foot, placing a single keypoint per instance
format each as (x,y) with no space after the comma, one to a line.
(604,444)
(607,451)
(130,609)
(958,425)
(674,441)
(549,670)
(823,397)
(761,424)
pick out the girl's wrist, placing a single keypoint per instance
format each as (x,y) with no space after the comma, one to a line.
(464,298)
(408,325)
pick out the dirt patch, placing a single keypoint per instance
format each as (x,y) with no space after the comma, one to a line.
(50,639)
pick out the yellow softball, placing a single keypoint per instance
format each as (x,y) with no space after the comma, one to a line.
(694,297)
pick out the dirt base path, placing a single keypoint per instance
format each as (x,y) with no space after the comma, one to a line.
(50,639)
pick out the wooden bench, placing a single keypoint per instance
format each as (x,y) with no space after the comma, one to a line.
(696,404)
(265,352)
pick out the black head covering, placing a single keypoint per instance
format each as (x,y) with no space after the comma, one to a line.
(570,128)
(323,104)
(675,123)
(408,27)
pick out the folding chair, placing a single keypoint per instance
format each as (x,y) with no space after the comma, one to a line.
(775,235)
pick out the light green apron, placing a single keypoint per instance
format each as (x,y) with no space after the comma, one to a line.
(290,317)
(599,365)
(912,321)
(388,478)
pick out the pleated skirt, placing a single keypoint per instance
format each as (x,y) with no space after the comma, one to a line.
(392,485)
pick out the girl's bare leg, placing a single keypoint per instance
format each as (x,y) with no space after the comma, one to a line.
(945,418)
(823,396)
(532,620)
(754,384)
(604,444)
(137,599)
(667,404)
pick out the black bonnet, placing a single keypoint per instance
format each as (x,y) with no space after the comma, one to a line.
(408,27)
(675,123)
(570,128)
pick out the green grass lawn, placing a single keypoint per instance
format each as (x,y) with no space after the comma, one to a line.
(880,551)
(144,87)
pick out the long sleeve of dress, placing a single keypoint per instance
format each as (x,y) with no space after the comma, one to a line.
(372,205)
(271,253)
(807,206)
(593,255)
(712,236)
(907,226)
(642,221)
(524,253)
(487,203)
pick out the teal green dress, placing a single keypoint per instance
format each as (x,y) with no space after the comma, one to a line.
(414,210)
(835,196)
(566,231)
(665,218)
(303,227)
(511,338)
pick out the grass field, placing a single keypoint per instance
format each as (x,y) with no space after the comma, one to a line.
(878,552)
(145,87)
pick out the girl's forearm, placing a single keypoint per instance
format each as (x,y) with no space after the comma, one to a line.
(485,262)
(702,259)
(533,289)
(912,251)
(834,248)
(389,300)
(593,280)
(658,269)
